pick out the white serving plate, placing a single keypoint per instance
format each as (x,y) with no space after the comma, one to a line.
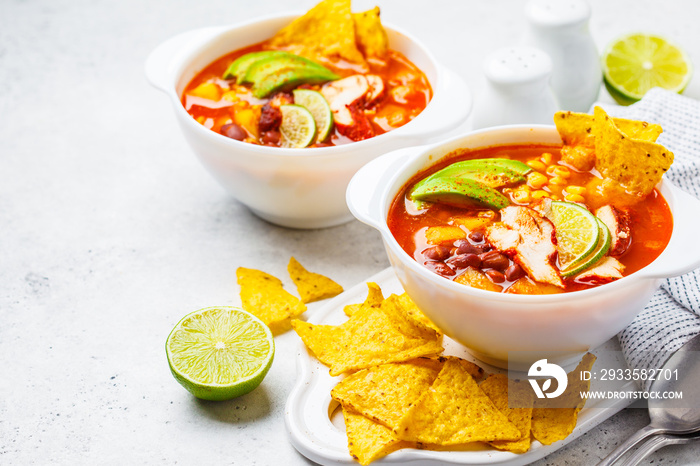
(315,423)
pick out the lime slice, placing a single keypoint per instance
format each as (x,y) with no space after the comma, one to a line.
(601,249)
(298,128)
(315,103)
(577,232)
(636,63)
(219,353)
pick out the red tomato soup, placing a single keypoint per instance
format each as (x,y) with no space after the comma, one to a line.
(516,249)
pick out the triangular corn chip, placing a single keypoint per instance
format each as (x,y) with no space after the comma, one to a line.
(312,286)
(370,34)
(369,440)
(374,299)
(496,387)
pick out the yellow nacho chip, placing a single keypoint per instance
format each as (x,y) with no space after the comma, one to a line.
(550,424)
(635,164)
(578,135)
(312,286)
(496,387)
(370,34)
(369,440)
(264,296)
(455,411)
(370,337)
(415,313)
(384,393)
(374,299)
(325,31)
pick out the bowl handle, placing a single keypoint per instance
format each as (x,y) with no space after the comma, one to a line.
(682,254)
(364,194)
(164,58)
(449,108)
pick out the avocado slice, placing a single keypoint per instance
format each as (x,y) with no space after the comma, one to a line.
(460,192)
(240,66)
(287,78)
(458,168)
(261,69)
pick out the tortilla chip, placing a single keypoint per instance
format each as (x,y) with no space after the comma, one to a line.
(370,34)
(444,234)
(374,299)
(372,336)
(578,135)
(325,31)
(551,424)
(455,411)
(636,164)
(369,440)
(520,395)
(384,393)
(415,313)
(311,286)
(264,296)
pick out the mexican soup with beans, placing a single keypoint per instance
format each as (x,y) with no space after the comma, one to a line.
(516,219)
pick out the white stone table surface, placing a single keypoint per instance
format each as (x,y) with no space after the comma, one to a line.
(111,231)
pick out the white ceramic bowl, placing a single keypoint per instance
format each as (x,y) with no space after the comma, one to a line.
(298,188)
(496,326)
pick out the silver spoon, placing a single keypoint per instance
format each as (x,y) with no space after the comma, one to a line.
(655,442)
(671,420)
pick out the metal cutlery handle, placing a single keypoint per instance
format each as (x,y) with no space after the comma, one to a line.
(654,443)
(636,438)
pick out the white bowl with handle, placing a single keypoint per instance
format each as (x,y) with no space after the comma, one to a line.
(496,327)
(298,188)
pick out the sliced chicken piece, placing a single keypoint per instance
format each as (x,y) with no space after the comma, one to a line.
(376,89)
(347,98)
(606,270)
(618,223)
(529,238)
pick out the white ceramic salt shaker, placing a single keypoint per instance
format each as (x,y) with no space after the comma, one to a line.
(560,28)
(517,89)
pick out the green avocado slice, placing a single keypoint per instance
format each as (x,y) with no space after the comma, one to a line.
(261,69)
(460,192)
(511,167)
(240,66)
(287,78)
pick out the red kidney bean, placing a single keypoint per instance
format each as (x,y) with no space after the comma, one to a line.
(272,136)
(494,260)
(465,247)
(437,253)
(270,118)
(476,236)
(495,276)
(465,260)
(233,131)
(514,272)
(440,268)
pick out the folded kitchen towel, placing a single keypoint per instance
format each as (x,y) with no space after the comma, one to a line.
(672,317)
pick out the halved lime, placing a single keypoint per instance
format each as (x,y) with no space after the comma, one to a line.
(636,63)
(577,232)
(298,128)
(219,353)
(315,103)
(601,249)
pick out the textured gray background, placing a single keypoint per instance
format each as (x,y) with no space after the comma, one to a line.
(110,231)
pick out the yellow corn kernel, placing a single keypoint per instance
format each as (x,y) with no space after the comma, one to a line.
(540,193)
(557,180)
(562,172)
(574,198)
(536,180)
(209,91)
(550,170)
(572,189)
(547,158)
(521,197)
(536,165)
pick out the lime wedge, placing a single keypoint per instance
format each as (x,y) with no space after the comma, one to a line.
(315,103)
(577,232)
(601,249)
(636,63)
(219,353)
(298,127)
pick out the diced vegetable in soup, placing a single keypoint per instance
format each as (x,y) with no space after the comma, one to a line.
(328,78)
(517,219)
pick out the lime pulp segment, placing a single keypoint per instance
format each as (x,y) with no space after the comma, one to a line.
(577,232)
(315,103)
(298,128)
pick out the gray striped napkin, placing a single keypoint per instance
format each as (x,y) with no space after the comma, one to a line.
(672,317)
